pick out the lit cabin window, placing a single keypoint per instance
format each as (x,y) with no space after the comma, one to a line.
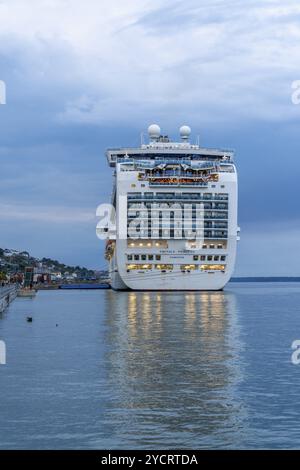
(188,267)
(212,267)
(133,267)
(164,267)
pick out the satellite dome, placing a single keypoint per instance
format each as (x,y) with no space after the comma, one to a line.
(154,131)
(185,132)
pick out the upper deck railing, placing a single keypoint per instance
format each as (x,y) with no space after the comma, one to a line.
(166,153)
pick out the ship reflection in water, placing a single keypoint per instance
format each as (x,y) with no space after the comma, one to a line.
(172,362)
(147,370)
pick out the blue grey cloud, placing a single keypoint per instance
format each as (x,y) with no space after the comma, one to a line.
(80,80)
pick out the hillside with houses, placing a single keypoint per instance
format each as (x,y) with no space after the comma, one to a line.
(14,262)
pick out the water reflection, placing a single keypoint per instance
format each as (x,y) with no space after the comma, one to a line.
(172,362)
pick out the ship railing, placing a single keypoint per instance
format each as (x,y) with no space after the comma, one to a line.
(178,184)
(149,234)
(185,223)
(175,197)
(153,207)
(156,216)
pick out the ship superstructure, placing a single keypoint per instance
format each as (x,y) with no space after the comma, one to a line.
(173,223)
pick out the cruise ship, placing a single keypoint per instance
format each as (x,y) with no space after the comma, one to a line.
(173,215)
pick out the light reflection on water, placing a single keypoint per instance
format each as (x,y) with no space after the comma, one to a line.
(111,370)
(172,361)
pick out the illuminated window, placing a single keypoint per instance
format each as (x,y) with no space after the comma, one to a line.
(211,247)
(220,247)
(132,267)
(142,243)
(212,267)
(146,266)
(188,267)
(195,257)
(163,267)
(204,247)
(147,243)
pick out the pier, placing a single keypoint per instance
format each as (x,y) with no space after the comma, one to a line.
(7,295)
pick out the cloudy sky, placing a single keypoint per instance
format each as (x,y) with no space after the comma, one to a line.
(83,76)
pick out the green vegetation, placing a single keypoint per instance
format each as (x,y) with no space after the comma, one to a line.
(12,262)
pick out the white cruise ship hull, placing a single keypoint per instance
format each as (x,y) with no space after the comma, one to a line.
(181,184)
(177,282)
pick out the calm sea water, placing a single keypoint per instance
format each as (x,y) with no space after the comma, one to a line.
(111,370)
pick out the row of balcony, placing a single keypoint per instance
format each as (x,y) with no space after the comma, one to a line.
(179,233)
(156,215)
(179,224)
(173,209)
(180,196)
(188,206)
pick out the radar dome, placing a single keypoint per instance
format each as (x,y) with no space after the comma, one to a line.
(185,132)
(154,131)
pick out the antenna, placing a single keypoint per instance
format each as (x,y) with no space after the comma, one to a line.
(198,140)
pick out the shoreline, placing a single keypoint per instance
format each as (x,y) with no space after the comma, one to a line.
(104,285)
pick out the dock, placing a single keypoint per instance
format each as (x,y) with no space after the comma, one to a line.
(7,295)
(85,286)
